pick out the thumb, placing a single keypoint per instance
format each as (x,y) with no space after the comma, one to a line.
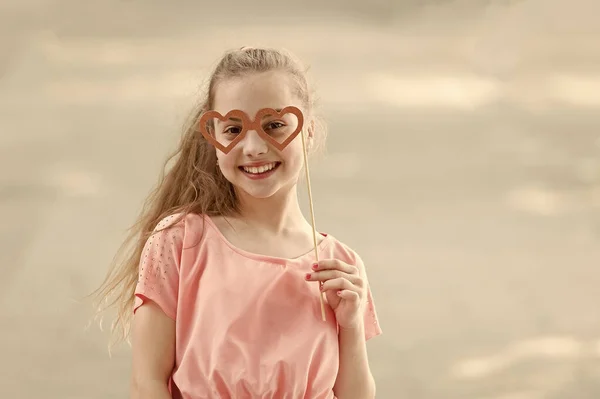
(332,298)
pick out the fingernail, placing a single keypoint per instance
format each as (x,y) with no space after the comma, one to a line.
(308,276)
(315,266)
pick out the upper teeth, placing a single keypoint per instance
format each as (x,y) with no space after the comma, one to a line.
(259,169)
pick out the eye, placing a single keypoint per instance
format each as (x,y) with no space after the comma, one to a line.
(274,125)
(232,130)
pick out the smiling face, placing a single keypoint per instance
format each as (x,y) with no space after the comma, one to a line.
(254,166)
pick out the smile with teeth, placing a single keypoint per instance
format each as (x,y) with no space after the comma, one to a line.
(259,169)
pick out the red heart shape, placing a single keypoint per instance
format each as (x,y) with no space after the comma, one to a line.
(214,114)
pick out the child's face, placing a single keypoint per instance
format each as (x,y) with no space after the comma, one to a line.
(246,165)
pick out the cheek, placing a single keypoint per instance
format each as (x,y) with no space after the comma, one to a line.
(293,153)
(226,161)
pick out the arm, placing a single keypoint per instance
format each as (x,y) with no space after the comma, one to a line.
(153,351)
(346,288)
(354,379)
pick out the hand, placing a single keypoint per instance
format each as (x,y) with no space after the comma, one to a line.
(344,288)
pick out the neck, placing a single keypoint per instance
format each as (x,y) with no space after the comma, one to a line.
(276,214)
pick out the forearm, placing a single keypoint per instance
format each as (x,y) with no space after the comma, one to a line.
(354,379)
(150,390)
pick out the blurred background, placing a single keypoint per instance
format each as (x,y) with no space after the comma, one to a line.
(463,164)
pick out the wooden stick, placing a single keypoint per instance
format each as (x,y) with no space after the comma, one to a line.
(312,215)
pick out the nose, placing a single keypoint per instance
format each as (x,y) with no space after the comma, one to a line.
(253,144)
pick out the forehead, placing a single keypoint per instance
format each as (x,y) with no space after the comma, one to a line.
(250,93)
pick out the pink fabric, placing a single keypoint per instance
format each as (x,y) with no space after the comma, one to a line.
(247,325)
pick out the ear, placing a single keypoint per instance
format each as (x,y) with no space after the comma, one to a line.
(310,134)
(310,129)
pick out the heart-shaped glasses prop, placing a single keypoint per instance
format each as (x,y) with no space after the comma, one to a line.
(277,127)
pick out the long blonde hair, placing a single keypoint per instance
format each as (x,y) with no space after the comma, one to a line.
(193,184)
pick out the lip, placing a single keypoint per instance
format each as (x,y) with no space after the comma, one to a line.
(263,175)
(257,164)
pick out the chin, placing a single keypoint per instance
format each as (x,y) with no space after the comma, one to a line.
(260,191)
(265,192)
(259,194)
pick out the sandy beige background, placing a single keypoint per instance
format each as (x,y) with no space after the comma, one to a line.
(463,164)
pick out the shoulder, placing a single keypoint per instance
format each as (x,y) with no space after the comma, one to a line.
(174,221)
(345,253)
(181,226)
(342,251)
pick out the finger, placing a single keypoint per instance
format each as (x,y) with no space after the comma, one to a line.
(335,264)
(339,284)
(349,295)
(326,275)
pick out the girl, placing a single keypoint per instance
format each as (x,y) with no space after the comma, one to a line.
(221,283)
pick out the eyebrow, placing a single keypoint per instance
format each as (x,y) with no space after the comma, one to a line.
(220,122)
(240,121)
(278,110)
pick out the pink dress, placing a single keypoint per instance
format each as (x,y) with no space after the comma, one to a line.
(247,325)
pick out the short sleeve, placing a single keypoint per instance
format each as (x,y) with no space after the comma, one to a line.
(372,327)
(158,278)
(371,321)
